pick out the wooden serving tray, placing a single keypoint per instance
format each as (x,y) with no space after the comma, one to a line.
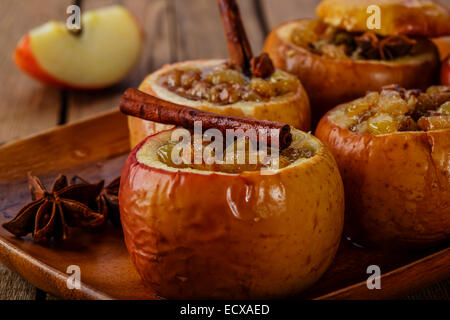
(96,149)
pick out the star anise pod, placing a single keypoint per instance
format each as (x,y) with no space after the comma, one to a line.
(107,200)
(395,46)
(373,47)
(50,214)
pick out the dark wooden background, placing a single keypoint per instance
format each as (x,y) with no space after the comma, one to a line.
(175,30)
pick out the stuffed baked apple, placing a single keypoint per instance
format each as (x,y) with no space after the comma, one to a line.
(216,86)
(228,230)
(242,86)
(338,58)
(393,151)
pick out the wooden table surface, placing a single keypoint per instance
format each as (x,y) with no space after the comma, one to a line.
(175,30)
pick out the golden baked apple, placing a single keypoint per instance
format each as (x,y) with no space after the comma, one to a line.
(393,151)
(215,86)
(338,58)
(229,230)
(105,51)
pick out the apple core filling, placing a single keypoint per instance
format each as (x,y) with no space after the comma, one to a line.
(223,85)
(330,42)
(396,109)
(234,158)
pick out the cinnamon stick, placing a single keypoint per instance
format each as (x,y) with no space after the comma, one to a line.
(139,104)
(238,44)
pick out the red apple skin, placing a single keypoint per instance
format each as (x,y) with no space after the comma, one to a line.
(187,243)
(445,72)
(397,186)
(24,59)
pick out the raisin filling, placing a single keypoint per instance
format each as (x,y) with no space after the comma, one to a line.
(253,159)
(397,109)
(224,85)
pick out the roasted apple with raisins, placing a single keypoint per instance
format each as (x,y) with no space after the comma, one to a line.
(338,59)
(244,85)
(218,87)
(215,231)
(393,151)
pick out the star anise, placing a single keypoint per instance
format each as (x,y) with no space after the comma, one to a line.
(387,48)
(107,200)
(50,214)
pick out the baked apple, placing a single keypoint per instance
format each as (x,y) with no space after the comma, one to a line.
(243,86)
(338,58)
(445,72)
(105,51)
(215,86)
(392,149)
(229,230)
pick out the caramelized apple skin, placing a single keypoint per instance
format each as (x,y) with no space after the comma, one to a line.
(397,186)
(240,236)
(330,82)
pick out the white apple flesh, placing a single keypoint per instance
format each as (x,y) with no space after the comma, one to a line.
(102,55)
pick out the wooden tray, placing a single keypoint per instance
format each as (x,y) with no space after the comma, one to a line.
(96,149)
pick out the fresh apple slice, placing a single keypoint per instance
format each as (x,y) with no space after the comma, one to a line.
(102,55)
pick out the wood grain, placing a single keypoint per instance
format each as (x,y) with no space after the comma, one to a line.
(407,278)
(200,31)
(153,16)
(278,12)
(14,287)
(440,290)
(26,106)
